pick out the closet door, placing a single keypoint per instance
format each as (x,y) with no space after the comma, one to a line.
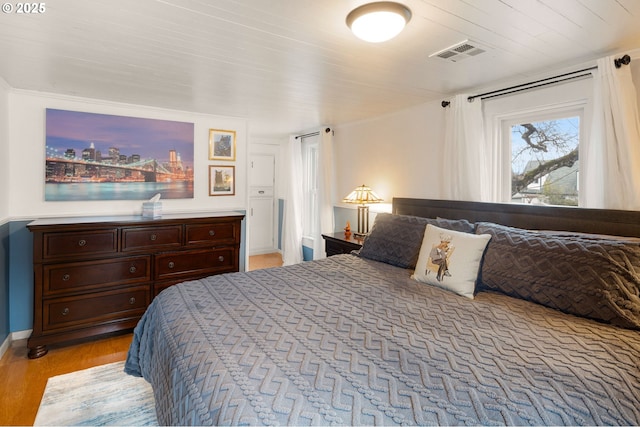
(262,170)
(261,204)
(261,217)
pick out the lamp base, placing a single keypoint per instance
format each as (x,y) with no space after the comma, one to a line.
(363,220)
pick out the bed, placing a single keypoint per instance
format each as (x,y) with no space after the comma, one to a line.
(550,334)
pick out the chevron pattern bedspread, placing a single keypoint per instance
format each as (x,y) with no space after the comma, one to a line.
(350,341)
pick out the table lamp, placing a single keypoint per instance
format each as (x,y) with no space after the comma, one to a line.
(362,196)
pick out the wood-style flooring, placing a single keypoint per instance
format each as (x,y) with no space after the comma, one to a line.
(22,381)
(257,262)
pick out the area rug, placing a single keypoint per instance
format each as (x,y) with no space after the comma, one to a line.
(99,396)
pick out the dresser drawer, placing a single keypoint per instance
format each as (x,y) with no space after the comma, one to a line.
(89,275)
(172,265)
(96,275)
(213,233)
(134,239)
(82,243)
(99,307)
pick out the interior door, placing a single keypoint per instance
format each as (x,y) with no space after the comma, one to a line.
(261,204)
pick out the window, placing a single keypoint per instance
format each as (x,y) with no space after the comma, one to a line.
(544,157)
(310,147)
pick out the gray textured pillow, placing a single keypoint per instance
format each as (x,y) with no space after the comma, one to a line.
(597,277)
(396,239)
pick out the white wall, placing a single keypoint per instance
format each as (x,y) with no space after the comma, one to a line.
(5,156)
(397,155)
(635,73)
(27,166)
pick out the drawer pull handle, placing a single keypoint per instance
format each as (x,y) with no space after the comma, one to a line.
(82,242)
(132,300)
(132,269)
(153,237)
(261,192)
(65,311)
(221,258)
(212,232)
(66,277)
(171,264)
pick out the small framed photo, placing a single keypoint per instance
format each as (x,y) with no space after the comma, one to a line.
(222,144)
(222,180)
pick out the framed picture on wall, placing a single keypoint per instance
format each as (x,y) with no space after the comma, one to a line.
(222,144)
(222,180)
(92,156)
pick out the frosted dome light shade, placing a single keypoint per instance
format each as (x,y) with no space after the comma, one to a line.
(378,26)
(378,22)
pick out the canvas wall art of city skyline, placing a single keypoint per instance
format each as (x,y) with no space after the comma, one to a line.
(93,156)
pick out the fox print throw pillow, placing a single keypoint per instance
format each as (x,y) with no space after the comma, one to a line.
(450,259)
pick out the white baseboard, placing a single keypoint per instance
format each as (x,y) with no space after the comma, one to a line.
(21,335)
(13,336)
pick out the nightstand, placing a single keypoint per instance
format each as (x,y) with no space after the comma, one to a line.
(337,243)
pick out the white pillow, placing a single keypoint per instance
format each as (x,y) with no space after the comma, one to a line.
(450,259)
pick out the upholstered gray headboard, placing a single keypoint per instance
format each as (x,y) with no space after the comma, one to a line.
(599,221)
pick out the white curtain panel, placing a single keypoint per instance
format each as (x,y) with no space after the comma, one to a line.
(465,171)
(292,218)
(611,159)
(325,192)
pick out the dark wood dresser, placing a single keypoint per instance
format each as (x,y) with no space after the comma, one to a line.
(97,275)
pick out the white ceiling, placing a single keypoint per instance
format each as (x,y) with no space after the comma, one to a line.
(291,65)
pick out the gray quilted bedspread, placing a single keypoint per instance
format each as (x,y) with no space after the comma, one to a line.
(352,341)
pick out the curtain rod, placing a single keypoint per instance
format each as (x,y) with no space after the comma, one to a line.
(307,134)
(624,60)
(506,90)
(514,90)
(326,130)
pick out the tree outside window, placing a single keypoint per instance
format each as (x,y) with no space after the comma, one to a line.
(544,161)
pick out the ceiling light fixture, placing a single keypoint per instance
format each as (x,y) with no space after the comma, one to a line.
(379,21)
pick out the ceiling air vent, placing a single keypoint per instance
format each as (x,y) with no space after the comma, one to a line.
(459,51)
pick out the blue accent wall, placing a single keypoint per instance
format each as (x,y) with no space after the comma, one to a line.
(4,282)
(16,278)
(307,253)
(20,277)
